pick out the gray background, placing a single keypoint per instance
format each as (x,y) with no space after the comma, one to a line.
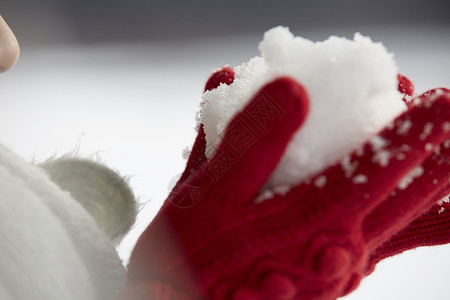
(98,21)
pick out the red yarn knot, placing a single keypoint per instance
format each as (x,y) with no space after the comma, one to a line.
(278,286)
(333,262)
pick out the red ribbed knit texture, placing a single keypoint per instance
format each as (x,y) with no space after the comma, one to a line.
(210,240)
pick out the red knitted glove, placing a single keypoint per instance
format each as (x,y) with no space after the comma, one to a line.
(210,240)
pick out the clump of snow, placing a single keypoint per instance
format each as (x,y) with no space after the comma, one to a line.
(447,144)
(428,146)
(409,178)
(446,127)
(348,166)
(381,156)
(441,202)
(186,152)
(401,153)
(408,98)
(446,199)
(359,179)
(320,181)
(404,127)
(427,129)
(267,194)
(352,86)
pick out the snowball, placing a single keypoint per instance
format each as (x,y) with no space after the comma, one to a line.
(352,86)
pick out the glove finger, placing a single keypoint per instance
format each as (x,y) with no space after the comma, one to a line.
(431,229)
(411,199)
(425,97)
(197,155)
(224,75)
(354,187)
(406,87)
(252,144)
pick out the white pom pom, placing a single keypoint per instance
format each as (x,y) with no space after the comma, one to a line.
(100,190)
(51,247)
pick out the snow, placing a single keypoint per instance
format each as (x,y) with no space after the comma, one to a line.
(185,152)
(268,194)
(441,202)
(400,156)
(427,129)
(51,247)
(378,143)
(407,98)
(404,127)
(446,199)
(352,85)
(447,144)
(359,179)
(348,166)
(446,127)
(320,181)
(381,155)
(409,178)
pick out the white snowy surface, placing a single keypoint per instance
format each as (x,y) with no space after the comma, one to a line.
(353,94)
(135,106)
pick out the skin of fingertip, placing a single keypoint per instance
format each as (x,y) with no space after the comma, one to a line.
(100,190)
(9,47)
